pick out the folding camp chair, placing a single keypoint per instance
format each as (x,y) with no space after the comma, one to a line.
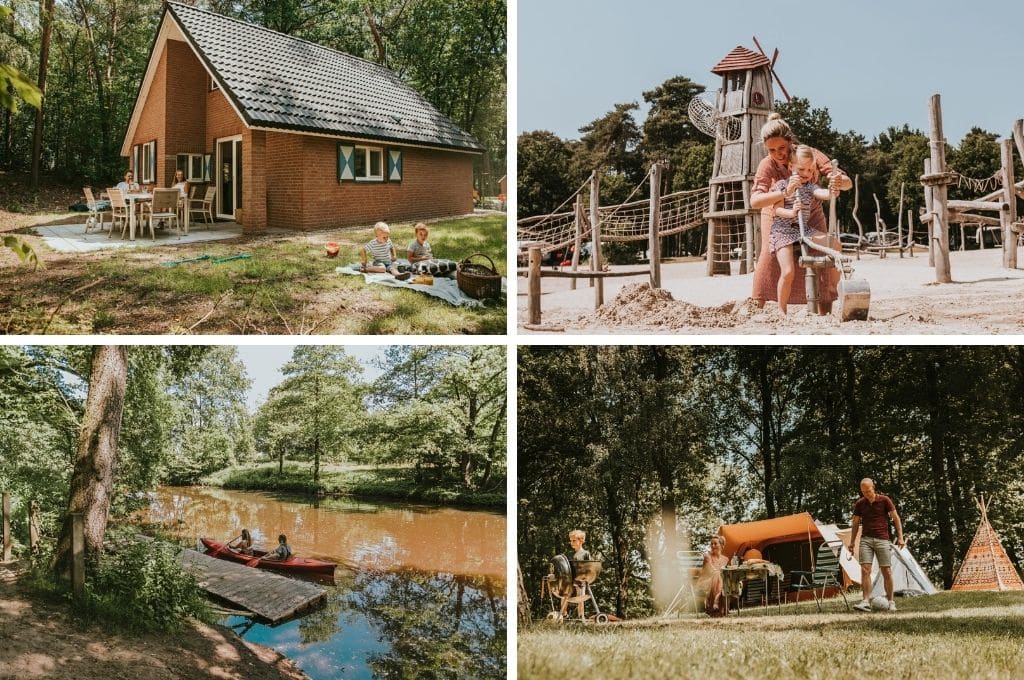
(688,562)
(825,574)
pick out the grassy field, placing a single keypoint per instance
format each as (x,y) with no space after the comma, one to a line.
(287,287)
(390,482)
(948,635)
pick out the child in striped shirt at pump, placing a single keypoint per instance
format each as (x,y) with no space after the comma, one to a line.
(379,254)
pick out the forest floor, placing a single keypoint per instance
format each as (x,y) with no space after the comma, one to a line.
(392,482)
(983,298)
(286,286)
(947,635)
(42,639)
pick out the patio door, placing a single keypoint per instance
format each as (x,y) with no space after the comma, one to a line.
(229,176)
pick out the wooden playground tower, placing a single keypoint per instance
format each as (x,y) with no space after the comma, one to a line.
(742,107)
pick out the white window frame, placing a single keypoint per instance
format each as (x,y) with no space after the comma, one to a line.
(191,158)
(365,151)
(148,164)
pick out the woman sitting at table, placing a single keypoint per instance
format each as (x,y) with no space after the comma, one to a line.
(710,579)
(180,183)
(128,185)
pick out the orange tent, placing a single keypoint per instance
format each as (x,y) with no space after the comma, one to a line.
(788,541)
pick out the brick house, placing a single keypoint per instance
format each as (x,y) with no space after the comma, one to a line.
(292,134)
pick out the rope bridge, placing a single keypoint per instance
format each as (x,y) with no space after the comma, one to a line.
(679,212)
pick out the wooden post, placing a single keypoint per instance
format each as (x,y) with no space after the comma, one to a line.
(595,235)
(856,204)
(653,240)
(1008,217)
(533,290)
(77,554)
(577,240)
(910,231)
(929,207)
(940,219)
(899,220)
(7,527)
(33,527)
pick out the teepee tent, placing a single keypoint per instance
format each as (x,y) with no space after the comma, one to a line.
(986,566)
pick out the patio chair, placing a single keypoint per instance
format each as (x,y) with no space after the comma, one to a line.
(95,218)
(164,207)
(755,595)
(203,206)
(689,563)
(825,574)
(118,211)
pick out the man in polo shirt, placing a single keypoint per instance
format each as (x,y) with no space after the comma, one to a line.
(872,512)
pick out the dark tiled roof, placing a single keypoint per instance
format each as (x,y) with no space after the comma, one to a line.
(278,81)
(740,59)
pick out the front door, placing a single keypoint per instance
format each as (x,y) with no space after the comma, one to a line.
(229,176)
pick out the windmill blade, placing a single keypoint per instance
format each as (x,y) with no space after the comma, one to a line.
(771,67)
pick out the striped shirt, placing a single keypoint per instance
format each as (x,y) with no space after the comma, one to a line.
(380,251)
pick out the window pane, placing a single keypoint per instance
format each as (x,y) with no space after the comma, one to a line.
(360,159)
(181,163)
(375,163)
(196,175)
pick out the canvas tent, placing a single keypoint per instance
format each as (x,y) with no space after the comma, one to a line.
(907,574)
(986,565)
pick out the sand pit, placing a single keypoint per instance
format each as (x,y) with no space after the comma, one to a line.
(984,299)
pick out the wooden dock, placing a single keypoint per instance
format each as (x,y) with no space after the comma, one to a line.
(267,595)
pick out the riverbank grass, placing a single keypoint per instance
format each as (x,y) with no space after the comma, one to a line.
(391,483)
(947,635)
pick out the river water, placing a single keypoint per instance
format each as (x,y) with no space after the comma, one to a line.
(420,590)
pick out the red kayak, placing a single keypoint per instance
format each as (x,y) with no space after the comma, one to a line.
(301,565)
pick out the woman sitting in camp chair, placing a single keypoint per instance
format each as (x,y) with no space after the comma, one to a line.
(710,579)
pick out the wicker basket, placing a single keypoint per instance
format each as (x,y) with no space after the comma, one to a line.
(477,280)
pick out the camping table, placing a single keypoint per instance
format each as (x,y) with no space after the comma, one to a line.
(734,576)
(133,198)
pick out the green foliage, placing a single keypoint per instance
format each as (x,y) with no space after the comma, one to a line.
(546,178)
(143,589)
(22,249)
(609,144)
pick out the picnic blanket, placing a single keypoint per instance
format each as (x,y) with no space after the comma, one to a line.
(445,288)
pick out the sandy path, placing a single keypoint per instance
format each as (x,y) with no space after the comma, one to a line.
(983,299)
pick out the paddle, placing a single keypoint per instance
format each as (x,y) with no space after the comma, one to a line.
(221,548)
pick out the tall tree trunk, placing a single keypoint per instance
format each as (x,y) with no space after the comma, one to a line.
(46,26)
(492,446)
(92,481)
(853,412)
(280,464)
(466,464)
(522,599)
(937,440)
(767,454)
(316,433)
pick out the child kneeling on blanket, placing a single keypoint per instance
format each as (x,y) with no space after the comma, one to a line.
(381,253)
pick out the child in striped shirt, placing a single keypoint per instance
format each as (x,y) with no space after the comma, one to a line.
(379,254)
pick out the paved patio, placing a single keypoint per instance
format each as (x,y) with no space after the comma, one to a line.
(71,238)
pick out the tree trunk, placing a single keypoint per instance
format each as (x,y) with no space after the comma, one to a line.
(764,383)
(937,438)
(523,600)
(280,464)
(853,411)
(492,447)
(92,481)
(466,464)
(46,27)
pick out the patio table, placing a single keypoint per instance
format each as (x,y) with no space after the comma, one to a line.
(144,197)
(733,577)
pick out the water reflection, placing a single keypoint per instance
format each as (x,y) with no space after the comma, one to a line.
(422,593)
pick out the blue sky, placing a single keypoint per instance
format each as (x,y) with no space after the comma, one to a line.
(264,362)
(872,64)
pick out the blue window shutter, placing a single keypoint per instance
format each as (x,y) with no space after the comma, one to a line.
(346,163)
(394,165)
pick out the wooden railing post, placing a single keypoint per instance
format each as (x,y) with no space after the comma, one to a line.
(929,213)
(595,235)
(533,289)
(577,242)
(7,527)
(1008,217)
(77,554)
(654,240)
(940,223)
(910,231)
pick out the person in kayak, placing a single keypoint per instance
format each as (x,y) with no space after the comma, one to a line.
(242,544)
(281,553)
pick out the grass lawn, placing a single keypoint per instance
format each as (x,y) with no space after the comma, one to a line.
(393,482)
(948,635)
(288,287)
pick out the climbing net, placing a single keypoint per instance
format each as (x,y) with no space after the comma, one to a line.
(706,118)
(980,186)
(629,221)
(730,240)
